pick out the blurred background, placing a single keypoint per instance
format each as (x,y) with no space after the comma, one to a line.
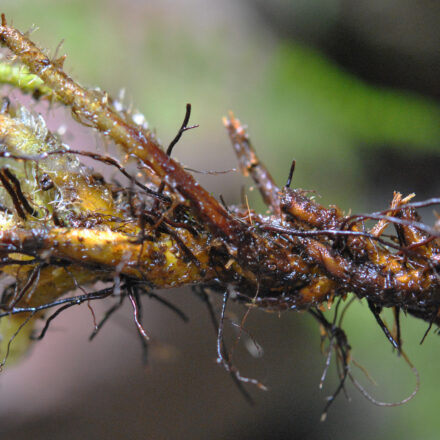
(350,89)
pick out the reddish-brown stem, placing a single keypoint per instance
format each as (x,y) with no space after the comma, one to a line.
(94,108)
(250,164)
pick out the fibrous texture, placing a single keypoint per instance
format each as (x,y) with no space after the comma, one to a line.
(63,227)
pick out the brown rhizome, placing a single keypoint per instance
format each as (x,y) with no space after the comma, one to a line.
(63,227)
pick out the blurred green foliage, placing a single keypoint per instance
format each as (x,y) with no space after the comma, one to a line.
(297,103)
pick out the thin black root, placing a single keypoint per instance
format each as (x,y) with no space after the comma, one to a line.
(129,289)
(173,308)
(95,156)
(8,349)
(376,312)
(66,304)
(376,402)
(106,316)
(184,127)
(291,171)
(133,296)
(233,373)
(222,354)
(73,300)
(338,342)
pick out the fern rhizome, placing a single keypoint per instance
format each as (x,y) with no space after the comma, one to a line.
(63,227)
